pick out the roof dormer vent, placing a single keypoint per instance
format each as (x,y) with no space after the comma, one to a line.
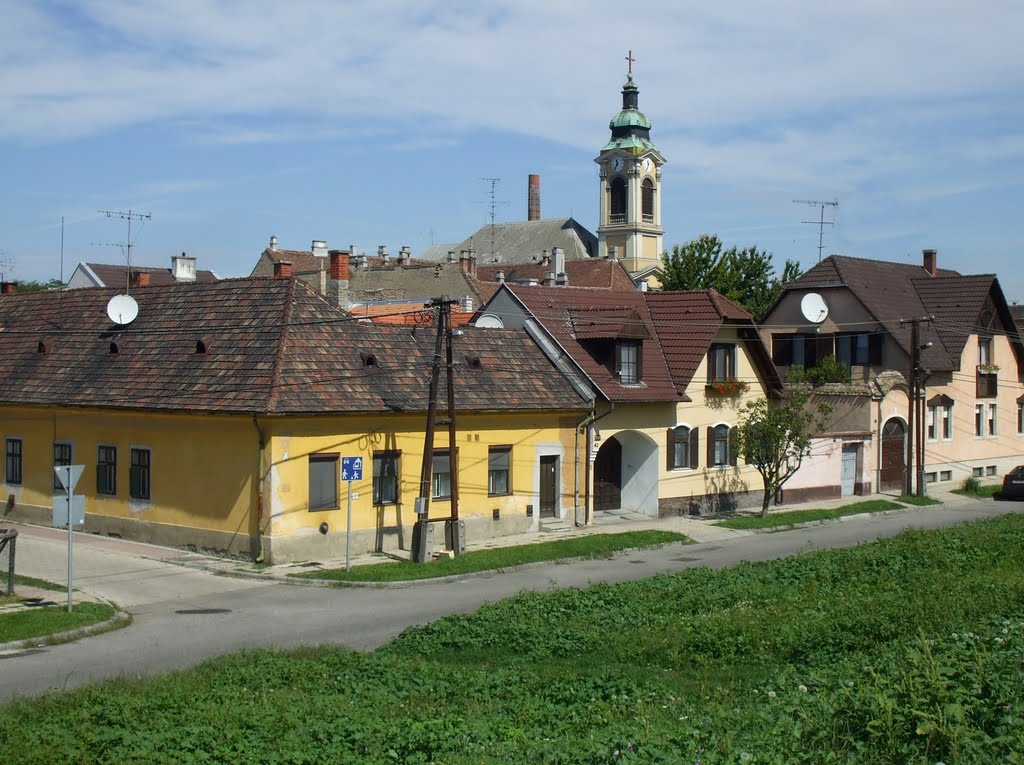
(369,359)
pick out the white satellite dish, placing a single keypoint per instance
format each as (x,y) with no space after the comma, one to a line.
(813,308)
(122,309)
(490,321)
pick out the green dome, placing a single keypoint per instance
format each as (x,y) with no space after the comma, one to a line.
(630,118)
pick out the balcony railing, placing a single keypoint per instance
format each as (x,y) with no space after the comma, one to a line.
(617,218)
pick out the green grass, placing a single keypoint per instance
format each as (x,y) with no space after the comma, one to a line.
(908,650)
(792,517)
(913,499)
(586,546)
(43,621)
(984,492)
(42,584)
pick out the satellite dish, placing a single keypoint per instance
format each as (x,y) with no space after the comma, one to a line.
(122,309)
(813,308)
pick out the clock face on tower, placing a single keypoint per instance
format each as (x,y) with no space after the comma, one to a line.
(648,164)
(617,164)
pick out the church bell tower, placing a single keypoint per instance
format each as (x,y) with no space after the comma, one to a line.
(630,173)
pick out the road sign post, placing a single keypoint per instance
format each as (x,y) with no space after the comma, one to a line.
(69,510)
(351,470)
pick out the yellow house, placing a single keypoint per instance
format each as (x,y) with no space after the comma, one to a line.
(220,417)
(668,372)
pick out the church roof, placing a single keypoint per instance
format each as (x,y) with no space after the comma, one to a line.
(524,242)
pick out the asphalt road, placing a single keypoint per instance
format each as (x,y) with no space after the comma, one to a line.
(182,615)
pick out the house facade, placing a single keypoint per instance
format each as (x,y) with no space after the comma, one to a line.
(666,374)
(220,416)
(968,421)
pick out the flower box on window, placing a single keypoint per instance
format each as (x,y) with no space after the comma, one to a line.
(728,386)
(988,369)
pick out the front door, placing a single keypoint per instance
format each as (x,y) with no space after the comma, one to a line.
(548,487)
(893,448)
(608,476)
(849,480)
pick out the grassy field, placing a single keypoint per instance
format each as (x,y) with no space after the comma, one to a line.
(982,492)
(908,650)
(791,517)
(587,546)
(49,620)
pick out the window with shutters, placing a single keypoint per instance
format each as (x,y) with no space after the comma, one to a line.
(618,208)
(385,477)
(721,361)
(323,481)
(720,450)
(647,200)
(499,463)
(682,447)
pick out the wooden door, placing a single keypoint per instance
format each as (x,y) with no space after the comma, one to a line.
(608,476)
(548,487)
(893,448)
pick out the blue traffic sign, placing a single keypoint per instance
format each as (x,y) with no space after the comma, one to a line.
(351,468)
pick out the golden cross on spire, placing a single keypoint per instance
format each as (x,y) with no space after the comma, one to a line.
(630,59)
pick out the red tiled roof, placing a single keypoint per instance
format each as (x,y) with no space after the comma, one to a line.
(115,276)
(271,346)
(554,309)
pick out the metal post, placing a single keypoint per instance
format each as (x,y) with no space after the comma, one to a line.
(71,526)
(348,531)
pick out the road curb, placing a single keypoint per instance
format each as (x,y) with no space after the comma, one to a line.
(117,621)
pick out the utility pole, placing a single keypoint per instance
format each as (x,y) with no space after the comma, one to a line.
(443,306)
(821,222)
(129,216)
(915,410)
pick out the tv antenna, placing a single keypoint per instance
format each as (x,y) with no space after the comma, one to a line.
(128,216)
(494,204)
(821,222)
(6,265)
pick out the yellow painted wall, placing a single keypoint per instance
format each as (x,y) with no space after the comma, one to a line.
(529,435)
(203,467)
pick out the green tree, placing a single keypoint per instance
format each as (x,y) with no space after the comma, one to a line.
(775,436)
(32,286)
(744,276)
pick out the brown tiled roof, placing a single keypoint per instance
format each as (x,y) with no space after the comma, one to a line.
(597,273)
(894,291)
(554,308)
(525,241)
(271,346)
(115,276)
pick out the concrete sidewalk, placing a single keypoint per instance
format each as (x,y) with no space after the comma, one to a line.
(118,570)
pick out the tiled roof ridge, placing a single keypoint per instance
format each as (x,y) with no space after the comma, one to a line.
(286,316)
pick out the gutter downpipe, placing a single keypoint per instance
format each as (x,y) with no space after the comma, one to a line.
(259,487)
(588,424)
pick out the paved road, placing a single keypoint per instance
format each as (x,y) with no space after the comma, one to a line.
(182,616)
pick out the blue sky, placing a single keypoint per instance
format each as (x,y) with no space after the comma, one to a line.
(232,121)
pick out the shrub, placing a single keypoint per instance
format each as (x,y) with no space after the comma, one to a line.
(971,485)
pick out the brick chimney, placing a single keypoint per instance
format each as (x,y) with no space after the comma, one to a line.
(339,279)
(283,269)
(931,264)
(533,198)
(8,288)
(139,278)
(467,262)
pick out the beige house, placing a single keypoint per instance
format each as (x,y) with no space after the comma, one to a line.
(969,420)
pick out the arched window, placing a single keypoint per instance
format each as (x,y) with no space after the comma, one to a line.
(647,198)
(682,447)
(619,205)
(720,446)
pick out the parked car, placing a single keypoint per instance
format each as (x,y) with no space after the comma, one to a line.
(1013,484)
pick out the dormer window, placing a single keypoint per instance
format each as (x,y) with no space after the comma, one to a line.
(721,361)
(984,351)
(368,359)
(627,362)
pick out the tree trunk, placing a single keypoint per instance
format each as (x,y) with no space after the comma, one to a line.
(765,502)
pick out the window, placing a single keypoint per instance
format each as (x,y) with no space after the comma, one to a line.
(947,421)
(720,452)
(990,470)
(992,419)
(441,473)
(930,477)
(627,362)
(979,420)
(385,478)
(984,351)
(618,208)
(945,475)
(106,470)
(323,481)
(647,200)
(499,460)
(721,361)
(1020,418)
(139,474)
(978,472)
(682,447)
(13,472)
(933,416)
(61,457)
